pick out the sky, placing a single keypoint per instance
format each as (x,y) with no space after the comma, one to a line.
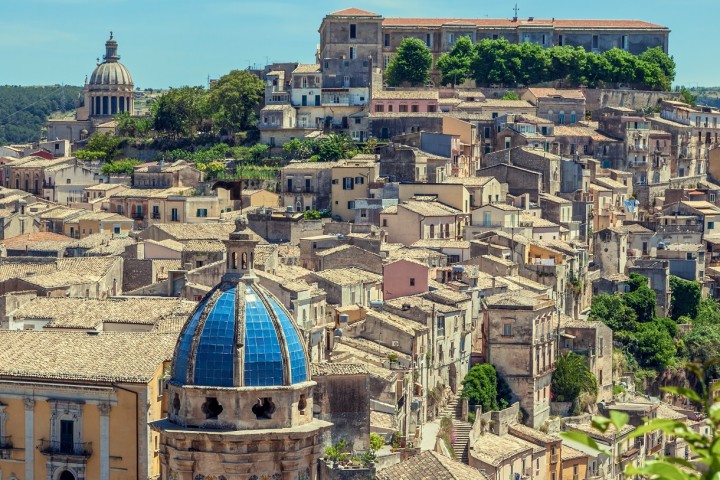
(171,43)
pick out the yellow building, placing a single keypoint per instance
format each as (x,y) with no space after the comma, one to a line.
(75,406)
(574,464)
(98,222)
(351,180)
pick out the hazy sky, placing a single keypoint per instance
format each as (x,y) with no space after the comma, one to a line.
(181,42)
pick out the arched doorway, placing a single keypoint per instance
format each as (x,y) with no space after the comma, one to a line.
(66,475)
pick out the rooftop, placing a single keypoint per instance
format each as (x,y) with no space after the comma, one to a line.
(430,465)
(348,276)
(77,356)
(494,449)
(428,208)
(510,23)
(328,368)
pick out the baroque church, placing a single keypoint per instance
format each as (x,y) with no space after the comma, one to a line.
(108,92)
(240,404)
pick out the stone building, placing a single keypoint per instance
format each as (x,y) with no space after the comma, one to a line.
(160,175)
(559,106)
(521,343)
(592,340)
(306,185)
(240,384)
(75,406)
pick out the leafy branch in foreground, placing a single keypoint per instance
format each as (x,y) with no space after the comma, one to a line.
(705,464)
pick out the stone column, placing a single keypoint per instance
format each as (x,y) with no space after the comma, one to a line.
(104,409)
(29,437)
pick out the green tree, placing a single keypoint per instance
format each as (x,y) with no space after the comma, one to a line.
(495,62)
(708,312)
(641,298)
(566,63)
(179,111)
(534,64)
(455,65)
(685,297)
(622,65)
(651,76)
(120,167)
(482,386)
(510,96)
(336,146)
(652,346)
(666,63)
(702,344)
(687,96)
(234,98)
(302,149)
(100,146)
(129,126)
(212,168)
(611,310)
(411,64)
(597,70)
(571,378)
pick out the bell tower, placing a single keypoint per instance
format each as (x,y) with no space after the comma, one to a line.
(240,251)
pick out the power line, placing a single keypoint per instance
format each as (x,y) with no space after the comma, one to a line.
(3,121)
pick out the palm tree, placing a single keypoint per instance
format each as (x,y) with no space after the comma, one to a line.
(572,377)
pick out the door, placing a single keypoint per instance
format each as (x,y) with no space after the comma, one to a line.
(317,100)
(304,100)
(67,428)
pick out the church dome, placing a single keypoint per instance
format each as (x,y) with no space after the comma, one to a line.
(111,71)
(240,335)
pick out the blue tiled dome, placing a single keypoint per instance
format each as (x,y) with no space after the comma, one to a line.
(240,336)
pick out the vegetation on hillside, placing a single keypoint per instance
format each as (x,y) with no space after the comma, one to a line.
(571,377)
(24,110)
(501,62)
(654,348)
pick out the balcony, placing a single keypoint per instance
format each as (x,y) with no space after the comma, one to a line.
(156,215)
(73,449)
(138,216)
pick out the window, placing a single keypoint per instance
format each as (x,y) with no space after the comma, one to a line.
(201,212)
(348,183)
(379,107)
(357,121)
(174,215)
(440,327)
(428,39)
(352,53)
(414,108)
(359,180)
(624,42)
(403,108)
(351,205)
(431,108)
(507,330)
(384,223)
(353,30)
(412,282)
(712,197)
(595,42)
(451,38)
(560,42)
(387,44)
(390,107)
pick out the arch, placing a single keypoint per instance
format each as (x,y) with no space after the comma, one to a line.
(243,263)
(66,475)
(234,261)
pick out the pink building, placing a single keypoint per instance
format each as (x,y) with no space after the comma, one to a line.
(404,101)
(402,278)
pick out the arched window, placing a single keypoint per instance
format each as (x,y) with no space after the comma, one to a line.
(244,261)
(234,261)
(66,475)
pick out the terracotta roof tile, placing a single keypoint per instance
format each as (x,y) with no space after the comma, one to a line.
(354,12)
(430,465)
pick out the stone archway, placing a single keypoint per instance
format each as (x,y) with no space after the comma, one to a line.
(66,475)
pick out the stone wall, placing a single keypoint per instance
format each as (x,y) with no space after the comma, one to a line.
(136,274)
(635,99)
(343,400)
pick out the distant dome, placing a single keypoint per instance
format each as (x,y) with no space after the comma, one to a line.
(240,336)
(113,73)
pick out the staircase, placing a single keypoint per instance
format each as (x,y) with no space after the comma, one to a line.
(462,428)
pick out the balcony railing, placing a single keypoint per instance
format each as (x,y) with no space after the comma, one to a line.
(138,216)
(5,442)
(76,449)
(156,215)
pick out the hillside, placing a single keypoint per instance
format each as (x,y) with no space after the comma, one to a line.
(707,96)
(23,110)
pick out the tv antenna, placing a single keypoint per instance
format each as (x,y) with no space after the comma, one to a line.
(516,10)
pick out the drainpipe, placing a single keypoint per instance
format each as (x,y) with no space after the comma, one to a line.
(137,429)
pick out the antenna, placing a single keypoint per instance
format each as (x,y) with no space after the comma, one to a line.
(516,10)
